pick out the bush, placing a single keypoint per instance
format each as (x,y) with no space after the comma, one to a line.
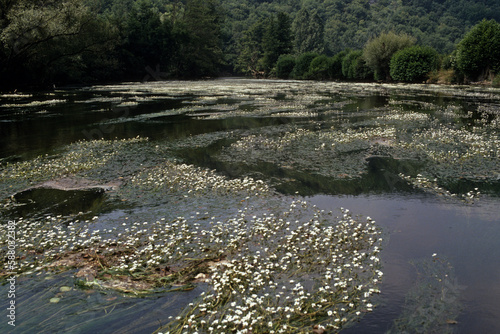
(354,66)
(379,51)
(335,71)
(478,53)
(496,81)
(414,63)
(284,66)
(302,65)
(319,67)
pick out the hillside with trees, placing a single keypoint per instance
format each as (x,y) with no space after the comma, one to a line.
(85,41)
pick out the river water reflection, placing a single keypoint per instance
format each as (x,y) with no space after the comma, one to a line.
(421,160)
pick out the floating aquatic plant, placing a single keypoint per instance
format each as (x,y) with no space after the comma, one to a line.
(266,262)
(80,158)
(334,152)
(282,275)
(305,266)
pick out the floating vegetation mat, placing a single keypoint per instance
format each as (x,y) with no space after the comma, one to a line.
(285,270)
(337,153)
(98,159)
(288,276)
(271,262)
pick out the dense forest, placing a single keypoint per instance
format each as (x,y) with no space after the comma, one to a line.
(56,42)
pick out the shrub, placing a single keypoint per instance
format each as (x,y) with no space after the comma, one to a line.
(478,53)
(414,63)
(354,66)
(335,71)
(302,65)
(379,51)
(284,66)
(496,81)
(318,69)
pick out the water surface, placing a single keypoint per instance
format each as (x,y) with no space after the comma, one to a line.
(421,160)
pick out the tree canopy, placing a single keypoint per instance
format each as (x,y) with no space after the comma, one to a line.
(378,52)
(85,41)
(414,63)
(478,53)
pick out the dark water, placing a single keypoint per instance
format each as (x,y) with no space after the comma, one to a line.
(199,120)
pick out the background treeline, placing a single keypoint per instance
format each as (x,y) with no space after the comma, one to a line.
(46,42)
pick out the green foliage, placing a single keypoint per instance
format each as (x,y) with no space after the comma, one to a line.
(263,43)
(149,40)
(414,63)
(68,41)
(284,66)
(350,24)
(354,66)
(59,41)
(302,65)
(319,68)
(496,81)
(251,50)
(335,71)
(200,49)
(308,32)
(72,41)
(277,40)
(478,53)
(379,51)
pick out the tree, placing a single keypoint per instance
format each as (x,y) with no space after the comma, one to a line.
(302,65)
(58,41)
(354,66)
(148,40)
(284,66)
(251,51)
(319,68)
(199,39)
(414,63)
(308,32)
(379,51)
(277,40)
(335,71)
(478,53)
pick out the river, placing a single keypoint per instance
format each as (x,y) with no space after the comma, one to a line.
(422,161)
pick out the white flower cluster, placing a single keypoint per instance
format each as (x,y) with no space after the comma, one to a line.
(457,153)
(343,151)
(403,117)
(431,186)
(33,104)
(280,274)
(78,157)
(272,271)
(174,177)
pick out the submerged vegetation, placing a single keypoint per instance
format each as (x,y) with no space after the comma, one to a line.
(433,303)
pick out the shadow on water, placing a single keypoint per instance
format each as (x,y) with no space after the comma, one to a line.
(59,202)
